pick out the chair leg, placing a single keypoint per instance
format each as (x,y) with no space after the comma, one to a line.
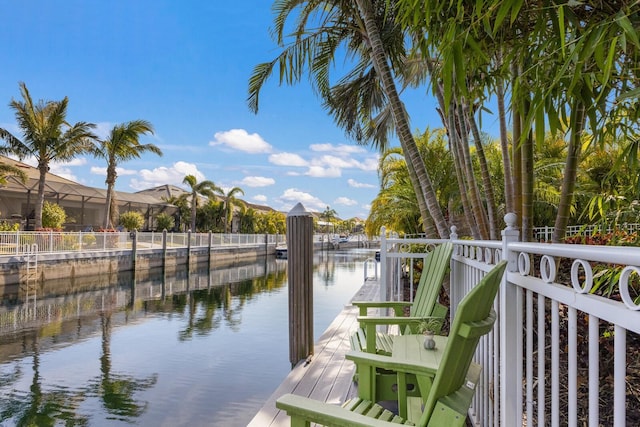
(299,422)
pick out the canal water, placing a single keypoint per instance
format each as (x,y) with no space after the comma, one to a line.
(205,348)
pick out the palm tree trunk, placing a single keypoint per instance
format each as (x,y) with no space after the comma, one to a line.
(527,181)
(193,213)
(454,146)
(489,194)
(570,171)
(417,171)
(474,193)
(43,168)
(107,208)
(509,193)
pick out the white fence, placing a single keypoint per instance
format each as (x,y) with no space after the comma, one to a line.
(15,242)
(558,353)
(544,234)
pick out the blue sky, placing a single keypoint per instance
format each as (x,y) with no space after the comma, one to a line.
(184,66)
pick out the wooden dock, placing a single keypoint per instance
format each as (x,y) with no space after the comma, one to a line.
(328,376)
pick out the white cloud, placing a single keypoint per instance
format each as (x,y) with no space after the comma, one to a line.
(78,161)
(260,198)
(63,171)
(345,161)
(355,184)
(173,175)
(334,161)
(370,164)
(321,172)
(342,148)
(257,181)
(291,196)
(287,159)
(240,139)
(345,201)
(96,170)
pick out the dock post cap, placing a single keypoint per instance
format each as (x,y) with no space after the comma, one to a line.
(299,210)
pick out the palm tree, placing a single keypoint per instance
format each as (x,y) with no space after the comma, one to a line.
(122,144)
(8,170)
(361,29)
(47,137)
(205,188)
(560,61)
(230,202)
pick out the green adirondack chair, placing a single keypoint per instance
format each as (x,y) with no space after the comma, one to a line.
(447,387)
(425,305)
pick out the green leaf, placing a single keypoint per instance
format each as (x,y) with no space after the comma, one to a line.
(561,30)
(540,123)
(501,15)
(516,10)
(627,27)
(633,93)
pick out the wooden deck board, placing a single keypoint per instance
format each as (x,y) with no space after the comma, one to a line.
(328,376)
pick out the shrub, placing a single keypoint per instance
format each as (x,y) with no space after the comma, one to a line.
(5,226)
(165,222)
(69,242)
(132,220)
(53,216)
(88,240)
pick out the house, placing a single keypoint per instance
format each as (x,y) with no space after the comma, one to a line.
(83,205)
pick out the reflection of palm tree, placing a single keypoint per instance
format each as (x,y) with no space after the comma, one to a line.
(210,300)
(42,409)
(327,271)
(117,390)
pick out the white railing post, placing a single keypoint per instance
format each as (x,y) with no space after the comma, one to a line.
(454,278)
(383,263)
(510,333)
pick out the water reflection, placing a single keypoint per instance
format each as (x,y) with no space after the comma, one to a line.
(110,352)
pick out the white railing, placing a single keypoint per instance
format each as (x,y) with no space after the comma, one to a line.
(545,234)
(543,361)
(13,242)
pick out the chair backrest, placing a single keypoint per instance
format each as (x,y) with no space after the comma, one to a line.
(474,318)
(436,265)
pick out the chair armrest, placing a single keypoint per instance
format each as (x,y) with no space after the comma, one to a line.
(389,320)
(397,306)
(302,408)
(392,364)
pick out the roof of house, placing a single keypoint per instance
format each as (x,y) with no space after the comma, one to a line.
(65,188)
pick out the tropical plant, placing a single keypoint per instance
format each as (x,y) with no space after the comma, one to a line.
(566,62)
(53,216)
(131,220)
(370,34)
(247,220)
(7,171)
(122,144)
(204,188)
(272,222)
(210,216)
(182,203)
(47,137)
(230,201)
(5,226)
(165,221)
(395,205)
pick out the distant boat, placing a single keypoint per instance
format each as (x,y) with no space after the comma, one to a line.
(281,252)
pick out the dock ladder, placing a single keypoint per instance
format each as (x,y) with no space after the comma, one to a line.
(29,283)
